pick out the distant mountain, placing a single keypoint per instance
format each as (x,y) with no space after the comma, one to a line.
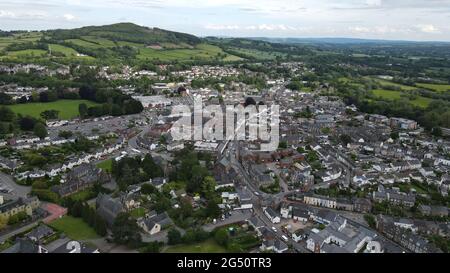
(348,41)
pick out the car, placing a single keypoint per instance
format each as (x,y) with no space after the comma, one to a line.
(256,193)
(285,238)
(274,229)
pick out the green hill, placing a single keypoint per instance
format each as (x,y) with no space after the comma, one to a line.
(123,42)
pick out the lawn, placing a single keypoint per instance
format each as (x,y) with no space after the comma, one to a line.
(74,228)
(138,213)
(68,109)
(435,87)
(105,165)
(394,95)
(208,246)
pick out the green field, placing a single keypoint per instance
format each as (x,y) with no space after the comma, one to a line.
(105,165)
(208,246)
(201,51)
(394,95)
(28,52)
(67,51)
(389,83)
(74,228)
(257,54)
(435,87)
(68,109)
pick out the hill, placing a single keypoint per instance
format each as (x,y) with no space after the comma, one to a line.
(123,42)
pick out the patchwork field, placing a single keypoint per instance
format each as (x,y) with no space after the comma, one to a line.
(389,83)
(68,109)
(394,95)
(435,87)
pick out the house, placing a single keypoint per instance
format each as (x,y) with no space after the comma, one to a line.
(23,245)
(276,245)
(362,205)
(81,177)
(299,235)
(15,206)
(272,215)
(299,214)
(108,208)
(155,223)
(39,233)
(440,211)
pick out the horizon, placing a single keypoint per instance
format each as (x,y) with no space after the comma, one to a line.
(306,38)
(416,20)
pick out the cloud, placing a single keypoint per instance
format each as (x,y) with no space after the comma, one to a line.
(262,27)
(69,17)
(32,15)
(428,28)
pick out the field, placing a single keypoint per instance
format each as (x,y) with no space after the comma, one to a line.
(201,51)
(67,51)
(257,54)
(105,165)
(435,87)
(68,109)
(28,52)
(74,228)
(389,83)
(208,246)
(394,95)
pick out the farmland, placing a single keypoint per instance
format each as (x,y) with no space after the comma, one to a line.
(395,95)
(435,87)
(68,109)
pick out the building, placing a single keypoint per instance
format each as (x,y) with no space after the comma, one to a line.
(15,206)
(272,215)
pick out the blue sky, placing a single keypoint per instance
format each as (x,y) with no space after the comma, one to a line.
(378,19)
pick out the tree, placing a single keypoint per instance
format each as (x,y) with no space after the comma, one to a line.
(126,231)
(345,139)
(152,247)
(50,114)
(83,110)
(65,134)
(6,114)
(221,236)
(208,186)
(174,237)
(148,189)
(40,130)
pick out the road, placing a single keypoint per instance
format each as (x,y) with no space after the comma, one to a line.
(259,198)
(10,234)
(7,182)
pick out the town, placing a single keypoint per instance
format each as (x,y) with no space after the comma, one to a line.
(95,162)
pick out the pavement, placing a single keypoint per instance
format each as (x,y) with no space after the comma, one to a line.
(7,182)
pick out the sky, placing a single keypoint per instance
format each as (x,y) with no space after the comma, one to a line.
(418,20)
